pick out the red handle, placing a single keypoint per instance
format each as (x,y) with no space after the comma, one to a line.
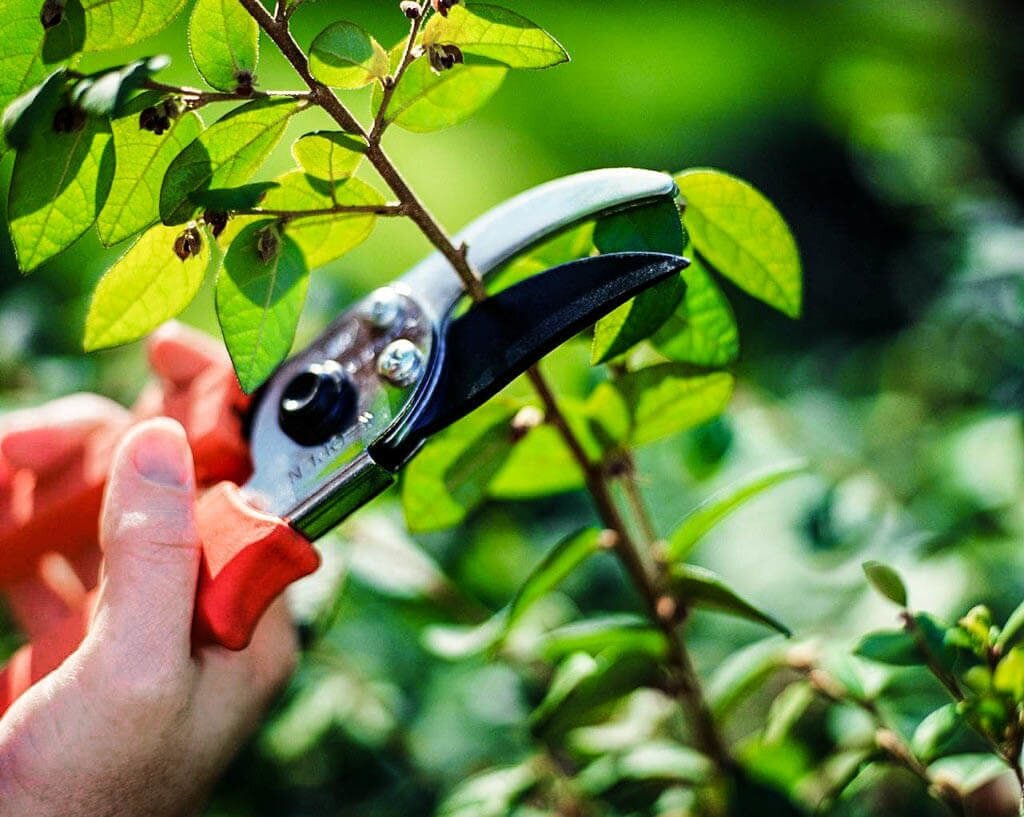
(249,558)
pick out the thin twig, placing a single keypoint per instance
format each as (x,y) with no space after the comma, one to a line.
(392,210)
(196,97)
(380,122)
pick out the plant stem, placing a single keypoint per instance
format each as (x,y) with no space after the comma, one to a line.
(688,686)
(380,122)
(197,98)
(392,210)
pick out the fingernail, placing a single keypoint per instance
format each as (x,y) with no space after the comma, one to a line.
(159,456)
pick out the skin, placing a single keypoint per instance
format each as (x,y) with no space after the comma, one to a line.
(133,722)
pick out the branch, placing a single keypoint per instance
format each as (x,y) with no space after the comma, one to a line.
(196,97)
(392,210)
(380,123)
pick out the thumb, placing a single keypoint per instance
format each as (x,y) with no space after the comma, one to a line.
(151,550)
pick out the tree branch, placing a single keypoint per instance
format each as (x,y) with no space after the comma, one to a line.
(392,210)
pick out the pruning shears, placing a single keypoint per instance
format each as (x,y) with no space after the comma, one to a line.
(335,424)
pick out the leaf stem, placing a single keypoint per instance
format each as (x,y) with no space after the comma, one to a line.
(197,98)
(392,210)
(380,122)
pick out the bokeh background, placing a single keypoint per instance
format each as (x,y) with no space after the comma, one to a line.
(891,136)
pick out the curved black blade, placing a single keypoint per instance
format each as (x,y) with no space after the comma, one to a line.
(497,340)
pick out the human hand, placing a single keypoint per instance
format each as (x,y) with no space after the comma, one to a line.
(134,721)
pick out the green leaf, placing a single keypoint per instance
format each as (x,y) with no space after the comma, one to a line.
(967,773)
(343,55)
(787,708)
(148,285)
(450,475)
(492,793)
(886,581)
(668,398)
(227,199)
(324,238)
(224,41)
(894,647)
(496,34)
(106,92)
(1009,674)
(424,101)
(697,587)
(33,110)
(660,762)
(582,685)
(702,330)
(744,671)
(30,52)
(58,186)
(624,632)
(655,228)
(329,155)
(943,732)
(259,302)
(142,160)
(743,236)
(115,24)
(540,465)
(713,510)
(1012,632)
(225,155)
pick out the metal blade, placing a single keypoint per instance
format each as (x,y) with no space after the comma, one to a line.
(497,340)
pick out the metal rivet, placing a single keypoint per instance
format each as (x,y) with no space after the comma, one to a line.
(401,363)
(383,308)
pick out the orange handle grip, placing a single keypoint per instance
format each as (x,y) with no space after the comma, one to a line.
(249,558)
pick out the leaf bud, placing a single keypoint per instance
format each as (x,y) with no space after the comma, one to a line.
(52,13)
(442,6)
(189,243)
(245,80)
(411,9)
(216,220)
(444,57)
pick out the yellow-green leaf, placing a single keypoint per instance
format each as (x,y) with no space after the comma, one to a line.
(260,295)
(702,330)
(694,586)
(425,101)
(223,39)
(142,160)
(329,155)
(30,52)
(324,238)
(668,398)
(58,186)
(343,55)
(225,155)
(114,24)
(743,236)
(148,285)
(496,34)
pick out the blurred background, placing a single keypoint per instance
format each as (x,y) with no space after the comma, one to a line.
(891,137)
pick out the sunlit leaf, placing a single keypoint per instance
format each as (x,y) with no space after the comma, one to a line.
(58,186)
(142,160)
(1009,674)
(660,762)
(1013,630)
(30,52)
(583,684)
(697,587)
(225,155)
(148,285)
(343,55)
(259,298)
(323,238)
(702,330)
(106,92)
(669,398)
(653,229)
(621,632)
(540,465)
(450,475)
(424,101)
(329,155)
(223,39)
(114,24)
(967,773)
(496,34)
(701,520)
(743,236)
(886,581)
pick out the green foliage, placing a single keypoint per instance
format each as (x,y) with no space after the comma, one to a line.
(225,155)
(669,398)
(695,586)
(142,160)
(495,34)
(106,92)
(702,330)
(224,43)
(328,155)
(743,236)
(887,582)
(260,294)
(137,293)
(110,26)
(343,55)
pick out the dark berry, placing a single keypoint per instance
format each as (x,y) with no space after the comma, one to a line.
(216,221)
(189,243)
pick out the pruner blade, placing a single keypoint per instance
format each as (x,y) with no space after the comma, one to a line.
(498,339)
